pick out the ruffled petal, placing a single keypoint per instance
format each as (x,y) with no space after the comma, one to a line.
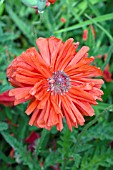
(20,94)
(80,54)
(43,47)
(31,107)
(63,53)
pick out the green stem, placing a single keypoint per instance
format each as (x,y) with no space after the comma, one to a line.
(39,145)
(92,122)
(101,27)
(38,148)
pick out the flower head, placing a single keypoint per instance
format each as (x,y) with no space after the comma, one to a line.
(58,81)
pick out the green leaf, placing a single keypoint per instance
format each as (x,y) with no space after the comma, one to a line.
(101,18)
(1,8)
(109,108)
(30,3)
(8,36)
(110,51)
(2,24)
(102,28)
(1,2)
(40,142)
(77,158)
(90,41)
(26,30)
(102,157)
(5,158)
(19,149)
(103,132)
(3,126)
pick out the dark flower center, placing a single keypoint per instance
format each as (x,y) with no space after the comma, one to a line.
(59,83)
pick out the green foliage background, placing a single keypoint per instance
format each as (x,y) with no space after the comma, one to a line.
(85,148)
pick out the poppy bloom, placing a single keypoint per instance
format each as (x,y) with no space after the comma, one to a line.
(63,20)
(107,75)
(31,140)
(85,33)
(52,1)
(5,99)
(58,81)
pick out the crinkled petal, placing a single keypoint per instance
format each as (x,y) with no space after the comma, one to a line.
(58,81)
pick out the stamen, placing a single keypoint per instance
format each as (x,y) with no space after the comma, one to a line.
(59,83)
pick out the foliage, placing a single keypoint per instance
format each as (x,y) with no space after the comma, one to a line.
(86,148)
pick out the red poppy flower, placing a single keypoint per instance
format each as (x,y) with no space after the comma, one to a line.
(107,75)
(52,1)
(5,99)
(32,137)
(85,35)
(58,81)
(63,20)
(31,140)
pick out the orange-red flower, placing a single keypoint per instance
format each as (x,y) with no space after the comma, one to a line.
(5,99)
(107,75)
(85,35)
(52,1)
(58,81)
(63,20)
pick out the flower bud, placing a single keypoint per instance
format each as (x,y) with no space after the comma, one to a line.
(41,4)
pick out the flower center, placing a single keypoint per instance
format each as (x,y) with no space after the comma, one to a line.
(59,83)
